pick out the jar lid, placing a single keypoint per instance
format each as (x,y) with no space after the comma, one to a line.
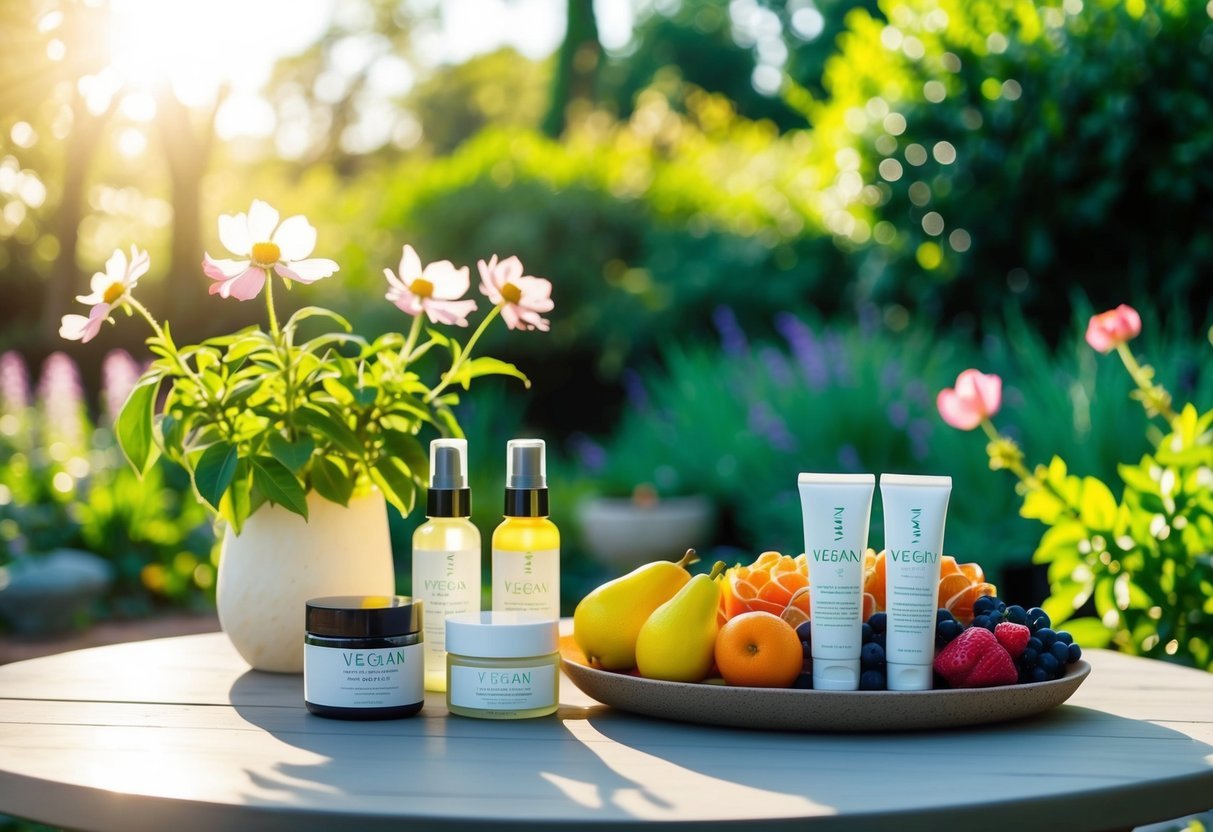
(363,616)
(501,635)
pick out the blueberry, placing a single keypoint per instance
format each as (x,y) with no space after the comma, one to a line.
(946,631)
(872,680)
(805,631)
(1038,618)
(1035,644)
(982,621)
(1060,651)
(1046,636)
(1017,614)
(1049,664)
(942,615)
(1001,605)
(878,639)
(803,682)
(984,604)
(1038,674)
(807,649)
(1028,656)
(871,657)
(1074,654)
(877,622)
(1064,637)
(866,630)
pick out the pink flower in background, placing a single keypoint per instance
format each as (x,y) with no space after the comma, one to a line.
(109,289)
(119,375)
(61,398)
(1108,330)
(521,297)
(265,247)
(975,398)
(435,289)
(14,383)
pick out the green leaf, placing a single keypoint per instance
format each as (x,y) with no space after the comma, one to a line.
(331,427)
(214,471)
(316,312)
(250,345)
(365,396)
(134,424)
(1089,632)
(332,338)
(1061,539)
(279,485)
(1098,508)
(331,480)
(487,366)
(294,455)
(395,484)
(406,449)
(235,504)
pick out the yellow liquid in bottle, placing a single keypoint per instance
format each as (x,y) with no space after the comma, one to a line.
(526,566)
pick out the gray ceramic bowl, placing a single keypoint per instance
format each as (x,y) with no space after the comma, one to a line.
(784,709)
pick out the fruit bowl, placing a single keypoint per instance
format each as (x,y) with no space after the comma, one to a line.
(786,709)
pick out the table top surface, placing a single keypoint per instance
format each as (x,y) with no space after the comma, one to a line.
(178,734)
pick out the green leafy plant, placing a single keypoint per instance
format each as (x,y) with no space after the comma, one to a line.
(1145,560)
(268,416)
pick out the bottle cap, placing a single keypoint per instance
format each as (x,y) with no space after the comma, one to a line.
(526,465)
(526,481)
(449,495)
(835,674)
(910,676)
(363,616)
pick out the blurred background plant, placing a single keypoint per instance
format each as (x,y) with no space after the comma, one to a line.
(774,228)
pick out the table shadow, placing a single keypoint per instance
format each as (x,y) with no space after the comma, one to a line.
(611,768)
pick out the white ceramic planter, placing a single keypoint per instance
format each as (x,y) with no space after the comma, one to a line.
(623,534)
(278,561)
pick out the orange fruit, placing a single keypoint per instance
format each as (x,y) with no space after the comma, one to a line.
(961,604)
(758,650)
(951,585)
(960,584)
(769,584)
(873,580)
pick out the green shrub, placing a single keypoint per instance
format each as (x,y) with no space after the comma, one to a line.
(975,146)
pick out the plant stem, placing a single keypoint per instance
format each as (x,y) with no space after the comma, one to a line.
(406,352)
(1025,476)
(449,375)
(1143,383)
(269,305)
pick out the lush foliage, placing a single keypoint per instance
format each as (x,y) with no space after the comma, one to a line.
(259,416)
(1144,559)
(64,483)
(979,145)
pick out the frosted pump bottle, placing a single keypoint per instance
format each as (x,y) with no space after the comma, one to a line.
(446,553)
(526,546)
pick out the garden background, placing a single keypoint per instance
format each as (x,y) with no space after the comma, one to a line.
(775,230)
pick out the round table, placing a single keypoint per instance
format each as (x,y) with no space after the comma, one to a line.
(178,734)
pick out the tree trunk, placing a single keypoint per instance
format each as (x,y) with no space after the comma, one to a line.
(577,63)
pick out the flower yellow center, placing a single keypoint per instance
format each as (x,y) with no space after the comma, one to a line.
(511,293)
(266,254)
(115,291)
(422,288)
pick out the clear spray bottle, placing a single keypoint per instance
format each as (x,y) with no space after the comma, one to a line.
(446,553)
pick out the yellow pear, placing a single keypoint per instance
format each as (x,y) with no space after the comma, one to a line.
(678,642)
(607,621)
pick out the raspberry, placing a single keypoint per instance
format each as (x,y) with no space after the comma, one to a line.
(1013,638)
(975,659)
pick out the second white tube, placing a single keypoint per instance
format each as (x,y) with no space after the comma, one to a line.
(837,509)
(914,512)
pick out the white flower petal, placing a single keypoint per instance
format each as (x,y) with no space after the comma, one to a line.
(309,271)
(393,280)
(410,265)
(295,238)
(115,267)
(140,263)
(449,282)
(223,269)
(262,219)
(509,269)
(234,234)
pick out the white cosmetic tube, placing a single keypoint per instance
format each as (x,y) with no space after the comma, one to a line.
(836,509)
(914,512)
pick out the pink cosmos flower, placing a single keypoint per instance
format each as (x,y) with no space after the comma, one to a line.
(521,297)
(1108,330)
(436,289)
(975,398)
(265,247)
(109,289)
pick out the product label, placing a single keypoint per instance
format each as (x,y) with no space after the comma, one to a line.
(387,677)
(527,581)
(503,689)
(447,583)
(836,529)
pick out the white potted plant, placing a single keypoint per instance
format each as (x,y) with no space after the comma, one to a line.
(297,442)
